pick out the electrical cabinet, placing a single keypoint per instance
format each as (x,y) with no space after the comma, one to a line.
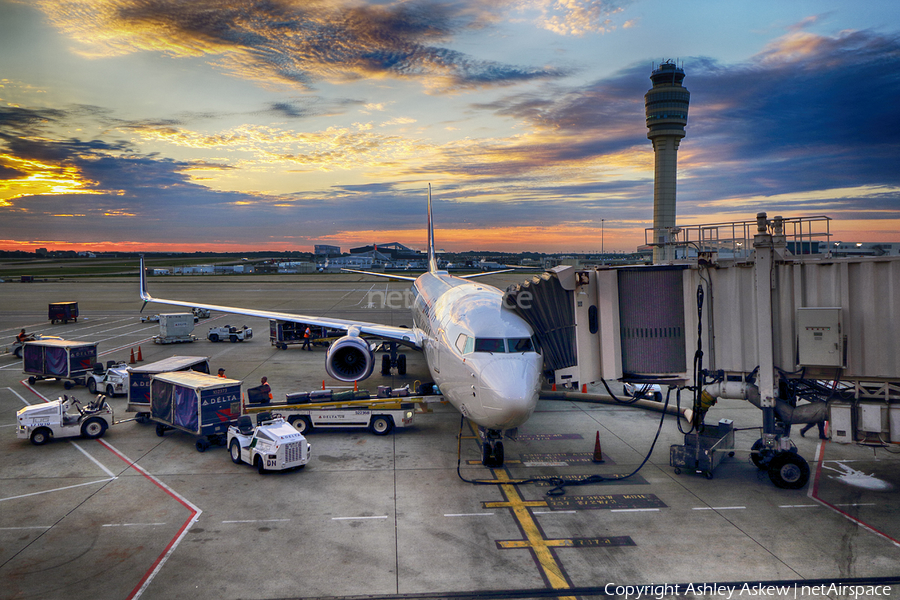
(840,422)
(820,342)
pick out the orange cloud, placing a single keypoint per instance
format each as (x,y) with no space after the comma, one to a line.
(40,178)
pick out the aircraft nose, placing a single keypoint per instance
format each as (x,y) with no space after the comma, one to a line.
(509,390)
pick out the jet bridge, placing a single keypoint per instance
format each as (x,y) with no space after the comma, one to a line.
(802,336)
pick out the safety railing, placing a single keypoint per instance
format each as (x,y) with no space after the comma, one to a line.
(803,235)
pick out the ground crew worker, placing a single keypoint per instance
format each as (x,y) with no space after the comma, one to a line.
(265,388)
(222,373)
(307,338)
(22,336)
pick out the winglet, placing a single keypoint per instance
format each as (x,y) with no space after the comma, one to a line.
(432,257)
(145,295)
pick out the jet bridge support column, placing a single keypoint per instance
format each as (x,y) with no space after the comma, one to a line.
(773,451)
(762,244)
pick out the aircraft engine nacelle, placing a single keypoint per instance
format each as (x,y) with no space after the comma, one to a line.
(349,359)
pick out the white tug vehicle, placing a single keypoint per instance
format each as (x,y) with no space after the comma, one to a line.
(273,445)
(230,333)
(41,422)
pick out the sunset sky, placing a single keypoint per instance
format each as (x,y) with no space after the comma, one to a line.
(278,124)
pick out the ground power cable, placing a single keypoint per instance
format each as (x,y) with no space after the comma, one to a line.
(559,483)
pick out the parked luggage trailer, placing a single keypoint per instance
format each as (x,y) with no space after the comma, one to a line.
(139,380)
(58,359)
(62,312)
(175,328)
(196,403)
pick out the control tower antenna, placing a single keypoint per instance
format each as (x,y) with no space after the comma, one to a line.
(666,105)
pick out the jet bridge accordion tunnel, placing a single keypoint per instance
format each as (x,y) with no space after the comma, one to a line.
(819,338)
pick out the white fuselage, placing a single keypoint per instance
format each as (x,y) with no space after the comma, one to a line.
(479,353)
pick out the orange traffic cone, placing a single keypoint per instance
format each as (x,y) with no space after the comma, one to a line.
(584,388)
(323,384)
(355,387)
(553,387)
(139,357)
(131,360)
(598,453)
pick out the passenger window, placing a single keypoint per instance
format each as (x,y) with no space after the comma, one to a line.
(520,345)
(489,345)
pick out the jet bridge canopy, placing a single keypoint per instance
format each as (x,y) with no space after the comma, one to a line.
(546,305)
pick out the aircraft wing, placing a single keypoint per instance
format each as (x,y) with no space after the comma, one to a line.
(379,274)
(482,274)
(402,335)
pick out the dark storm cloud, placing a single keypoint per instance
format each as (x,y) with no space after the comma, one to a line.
(25,120)
(300,43)
(56,151)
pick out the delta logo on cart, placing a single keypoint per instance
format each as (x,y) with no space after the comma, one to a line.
(226,405)
(82,359)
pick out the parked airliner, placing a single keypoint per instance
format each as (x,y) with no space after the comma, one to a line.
(481,355)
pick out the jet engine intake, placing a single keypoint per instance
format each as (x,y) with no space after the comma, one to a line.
(349,359)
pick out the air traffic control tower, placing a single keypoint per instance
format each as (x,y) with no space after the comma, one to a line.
(666,105)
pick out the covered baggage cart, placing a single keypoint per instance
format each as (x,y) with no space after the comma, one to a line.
(67,360)
(196,403)
(285,333)
(139,380)
(62,312)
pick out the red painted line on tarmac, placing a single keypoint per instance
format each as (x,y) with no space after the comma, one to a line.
(170,548)
(164,556)
(814,494)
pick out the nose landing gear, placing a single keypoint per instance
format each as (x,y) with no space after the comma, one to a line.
(491,447)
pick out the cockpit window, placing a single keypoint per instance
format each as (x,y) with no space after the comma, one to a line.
(467,345)
(520,344)
(489,345)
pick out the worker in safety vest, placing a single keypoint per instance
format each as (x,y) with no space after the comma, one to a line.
(307,338)
(265,388)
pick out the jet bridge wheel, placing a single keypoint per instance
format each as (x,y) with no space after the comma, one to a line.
(789,471)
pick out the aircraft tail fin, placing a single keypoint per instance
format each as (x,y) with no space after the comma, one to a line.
(432,257)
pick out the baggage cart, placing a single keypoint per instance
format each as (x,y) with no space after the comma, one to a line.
(195,403)
(175,328)
(62,312)
(66,360)
(285,333)
(139,380)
